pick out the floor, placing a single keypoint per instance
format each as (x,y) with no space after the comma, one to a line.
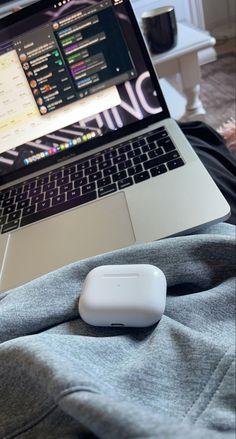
(218,84)
(226,46)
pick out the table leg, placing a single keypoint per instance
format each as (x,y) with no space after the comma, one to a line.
(190,77)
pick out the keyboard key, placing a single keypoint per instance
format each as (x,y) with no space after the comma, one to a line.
(104,182)
(6,194)
(66,188)
(62,181)
(22,196)
(119,176)
(142,176)
(134,153)
(10,226)
(37,199)
(9,209)
(97,160)
(78,201)
(149,147)
(110,154)
(95,177)
(73,194)
(8,202)
(175,164)
(110,171)
(49,186)
(102,191)
(125,165)
(91,170)
(166,144)
(12,194)
(16,190)
(35,191)
(120,158)
(106,164)
(88,188)
(82,166)
(56,176)
(80,182)
(158,170)
(28,210)
(3,220)
(13,216)
(52,193)
(70,170)
(41,181)
(77,175)
(140,159)
(135,170)
(29,186)
(59,199)
(159,160)
(44,205)
(22,204)
(122,184)
(156,153)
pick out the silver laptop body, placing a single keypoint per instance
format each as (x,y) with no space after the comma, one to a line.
(125,172)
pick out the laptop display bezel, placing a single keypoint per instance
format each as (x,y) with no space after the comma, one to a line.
(109,137)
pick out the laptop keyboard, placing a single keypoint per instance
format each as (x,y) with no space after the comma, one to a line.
(84,181)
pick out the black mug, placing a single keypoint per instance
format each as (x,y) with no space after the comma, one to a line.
(160,29)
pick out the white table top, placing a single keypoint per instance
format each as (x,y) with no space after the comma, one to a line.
(189,39)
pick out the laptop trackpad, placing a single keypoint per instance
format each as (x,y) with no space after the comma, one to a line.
(86,231)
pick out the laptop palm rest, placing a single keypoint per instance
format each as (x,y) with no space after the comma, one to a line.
(86,231)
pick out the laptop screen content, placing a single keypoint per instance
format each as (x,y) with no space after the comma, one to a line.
(69,74)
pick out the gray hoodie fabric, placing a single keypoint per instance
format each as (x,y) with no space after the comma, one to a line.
(63,379)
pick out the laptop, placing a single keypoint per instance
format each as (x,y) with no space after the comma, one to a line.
(90,160)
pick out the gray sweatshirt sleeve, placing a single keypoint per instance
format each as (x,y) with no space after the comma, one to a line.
(61,378)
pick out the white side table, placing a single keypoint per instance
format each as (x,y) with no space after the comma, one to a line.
(184,59)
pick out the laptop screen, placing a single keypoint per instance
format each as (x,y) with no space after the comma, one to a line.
(70,74)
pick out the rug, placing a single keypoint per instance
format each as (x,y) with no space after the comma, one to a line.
(218,87)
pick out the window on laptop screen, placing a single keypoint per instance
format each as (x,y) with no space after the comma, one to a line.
(71,73)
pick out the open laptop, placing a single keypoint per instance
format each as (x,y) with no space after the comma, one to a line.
(90,160)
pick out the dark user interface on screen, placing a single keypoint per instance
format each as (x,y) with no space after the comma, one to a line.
(74,57)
